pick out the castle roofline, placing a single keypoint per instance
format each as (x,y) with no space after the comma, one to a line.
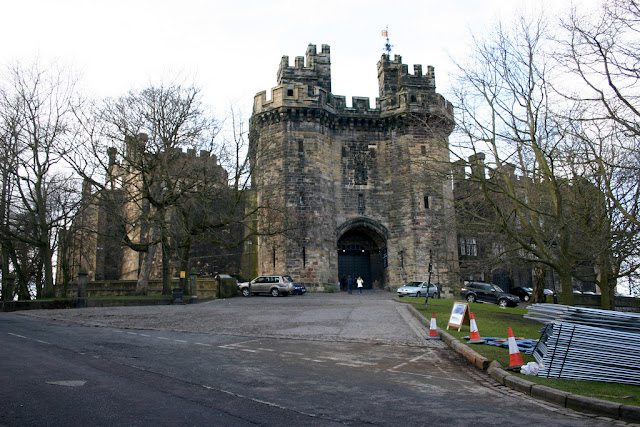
(308,84)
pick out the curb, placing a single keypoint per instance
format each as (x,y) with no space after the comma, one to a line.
(561,398)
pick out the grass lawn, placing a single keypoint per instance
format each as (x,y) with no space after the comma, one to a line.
(493,321)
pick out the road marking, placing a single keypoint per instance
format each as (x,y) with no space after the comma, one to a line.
(43,342)
(206,345)
(313,360)
(145,335)
(179,340)
(71,383)
(409,361)
(265,349)
(132,333)
(292,353)
(447,376)
(19,336)
(162,338)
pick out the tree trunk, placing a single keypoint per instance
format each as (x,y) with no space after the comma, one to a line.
(166,280)
(185,249)
(566,284)
(142,286)
(538,285)
(49,291)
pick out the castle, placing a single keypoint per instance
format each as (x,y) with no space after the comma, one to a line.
(364,191)
(118,210)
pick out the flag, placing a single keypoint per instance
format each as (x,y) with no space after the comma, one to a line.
(385,33)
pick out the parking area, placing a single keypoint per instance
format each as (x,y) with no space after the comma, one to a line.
(373,316)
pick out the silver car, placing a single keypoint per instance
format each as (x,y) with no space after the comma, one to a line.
(275,285)
(418,289)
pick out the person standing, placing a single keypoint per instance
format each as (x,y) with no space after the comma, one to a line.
(349,284)
(343,282)
(360,284)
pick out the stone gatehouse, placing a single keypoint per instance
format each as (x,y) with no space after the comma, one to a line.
(363,191)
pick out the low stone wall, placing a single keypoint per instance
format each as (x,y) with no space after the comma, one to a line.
(626,304)
(207,288)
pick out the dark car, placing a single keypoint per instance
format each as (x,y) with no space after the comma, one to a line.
(523,293)
(487,292)
(299,289)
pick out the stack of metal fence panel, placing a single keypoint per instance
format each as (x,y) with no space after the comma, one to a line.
(587,344)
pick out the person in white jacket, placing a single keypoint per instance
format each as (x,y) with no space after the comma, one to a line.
(360,283)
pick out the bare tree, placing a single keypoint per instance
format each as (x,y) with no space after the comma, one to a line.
(504,109)
(36,108)
(602,52)
(164,175)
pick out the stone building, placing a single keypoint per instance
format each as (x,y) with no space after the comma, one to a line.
(363,191)
(95,240)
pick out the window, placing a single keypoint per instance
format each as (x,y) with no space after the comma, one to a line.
(301,199)
(300,146)
(289,92)
(423,150)
(427,203)
(468,246)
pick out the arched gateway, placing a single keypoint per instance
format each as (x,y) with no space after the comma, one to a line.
(362,251)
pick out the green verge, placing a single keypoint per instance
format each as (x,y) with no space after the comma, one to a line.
(493,321)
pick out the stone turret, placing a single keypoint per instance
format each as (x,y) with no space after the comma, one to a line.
(316,73)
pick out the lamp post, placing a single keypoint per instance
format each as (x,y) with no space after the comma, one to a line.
(426,300)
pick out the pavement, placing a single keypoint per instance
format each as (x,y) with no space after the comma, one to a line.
(372,317)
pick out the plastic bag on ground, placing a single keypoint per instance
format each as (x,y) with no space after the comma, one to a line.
(530,368)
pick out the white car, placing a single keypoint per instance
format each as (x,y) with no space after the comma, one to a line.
(418,289)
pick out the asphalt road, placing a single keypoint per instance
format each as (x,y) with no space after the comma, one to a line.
(317,359)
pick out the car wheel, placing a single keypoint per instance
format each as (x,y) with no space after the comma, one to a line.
(526,298)
(245,292)
(471,298)
(400,296)
(418,294)
(275,292)
(502,302)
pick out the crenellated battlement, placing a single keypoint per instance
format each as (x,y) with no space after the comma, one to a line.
(317,71)
(308,85)
(394,80)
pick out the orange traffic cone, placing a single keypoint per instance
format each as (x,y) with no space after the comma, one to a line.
(515,360)
(475,337)
(433,329)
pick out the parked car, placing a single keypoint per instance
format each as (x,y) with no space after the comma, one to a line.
(299,289)
(523,293)
(548,292)
(418,289)
(275,285)
(487,292)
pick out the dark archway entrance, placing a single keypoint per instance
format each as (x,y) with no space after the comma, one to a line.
(362,252)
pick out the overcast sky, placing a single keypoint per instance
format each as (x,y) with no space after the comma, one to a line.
(232,49)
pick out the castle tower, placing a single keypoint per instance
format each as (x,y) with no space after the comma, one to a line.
(359,190)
